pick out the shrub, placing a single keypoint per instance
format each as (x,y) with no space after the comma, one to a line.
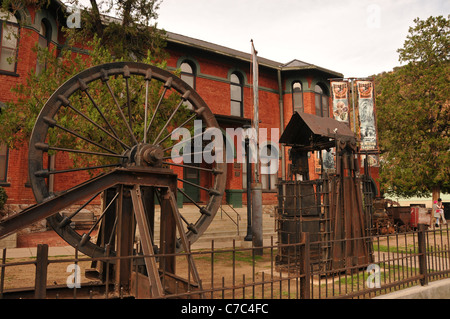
(3,198)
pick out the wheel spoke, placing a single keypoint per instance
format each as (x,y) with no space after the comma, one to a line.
(181,155)
(126,75)
(167,85)
(212,170)
(105,81)
(68,219)
(203,210)
(197,113)
(211,191)
(66,103)
(185,141)
(46,173)
(84,88)
(146,110)
(183,99)
(53,123)
(87,235)
(45,147)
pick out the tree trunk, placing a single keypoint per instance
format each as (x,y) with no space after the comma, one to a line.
(436,193)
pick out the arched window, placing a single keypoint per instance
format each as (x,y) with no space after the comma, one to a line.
(45,34)
(236,90)
(321,101)
(9,41)
(188,76)
(297,97)
(269,174)
(188,73)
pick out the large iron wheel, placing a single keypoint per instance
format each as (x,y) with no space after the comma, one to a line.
(117,116)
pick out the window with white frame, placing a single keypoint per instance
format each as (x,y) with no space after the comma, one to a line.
(269,171)
(9,41)
(321,100)
(236,91)
(188,75)
(43,42)
(297,97)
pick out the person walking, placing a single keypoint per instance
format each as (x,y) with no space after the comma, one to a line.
(440,210)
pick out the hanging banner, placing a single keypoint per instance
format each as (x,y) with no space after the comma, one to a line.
(340,101)
(368,132)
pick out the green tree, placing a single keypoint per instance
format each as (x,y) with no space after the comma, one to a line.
(127,28)
(413,111)
(63,63)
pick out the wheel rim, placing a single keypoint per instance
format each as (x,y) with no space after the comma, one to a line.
(99,134)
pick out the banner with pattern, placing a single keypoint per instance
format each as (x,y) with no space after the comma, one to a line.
(368,132)
(340,101)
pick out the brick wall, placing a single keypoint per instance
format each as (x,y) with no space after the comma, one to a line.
(211,83)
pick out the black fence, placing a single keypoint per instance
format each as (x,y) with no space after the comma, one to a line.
(277,271)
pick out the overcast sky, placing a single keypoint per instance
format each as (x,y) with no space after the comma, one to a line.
(355,37)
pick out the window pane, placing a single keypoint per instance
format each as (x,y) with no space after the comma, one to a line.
(42,42)
(318,105)
(297,97)
(235,79)
(273,181)
(298,102)
(236,108)
(4,63)
(189,79)
(265,181)
(236,92)
(3,154)
(186,68)
(318,89)
(325,111)
(187,74)
(43,30)
(9,37)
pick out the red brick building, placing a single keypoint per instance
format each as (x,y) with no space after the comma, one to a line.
(222,76)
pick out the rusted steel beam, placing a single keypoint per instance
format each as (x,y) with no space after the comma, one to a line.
(40,287)
(155,284)
(158,177)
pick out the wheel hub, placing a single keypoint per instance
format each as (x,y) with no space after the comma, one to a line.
(144,155)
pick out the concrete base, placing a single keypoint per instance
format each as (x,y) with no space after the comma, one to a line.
(9,241)
(434,290)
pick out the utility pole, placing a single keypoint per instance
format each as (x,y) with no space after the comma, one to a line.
(249,183)
(256,186)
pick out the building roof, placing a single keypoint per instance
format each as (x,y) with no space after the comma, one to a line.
(311,132)
(216,48)
(222,50)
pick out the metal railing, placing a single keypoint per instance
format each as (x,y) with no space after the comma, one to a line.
(238,216)
(282,271)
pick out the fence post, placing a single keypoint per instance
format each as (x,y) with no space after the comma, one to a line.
(305,279)
(40,282)
(422,255)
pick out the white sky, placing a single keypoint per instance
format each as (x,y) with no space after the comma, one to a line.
(355,37)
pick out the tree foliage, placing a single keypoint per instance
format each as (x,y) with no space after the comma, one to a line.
(127,28)
(19,117)
(413,109)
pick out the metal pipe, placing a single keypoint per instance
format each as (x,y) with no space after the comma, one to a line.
(249,196)
(281,96)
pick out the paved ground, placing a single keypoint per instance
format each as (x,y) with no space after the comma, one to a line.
(222,229)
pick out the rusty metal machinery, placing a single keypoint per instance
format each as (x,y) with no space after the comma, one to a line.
(389,217)
(333,209)
(114,123)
